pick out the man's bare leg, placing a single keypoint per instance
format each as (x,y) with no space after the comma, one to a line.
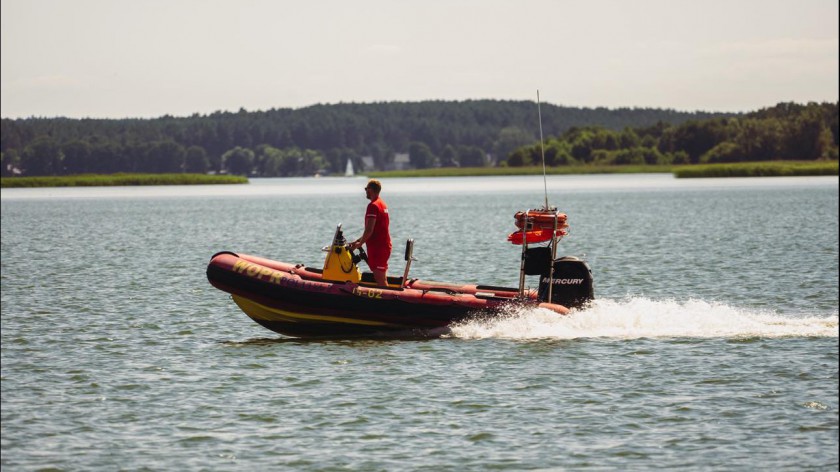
(381,277)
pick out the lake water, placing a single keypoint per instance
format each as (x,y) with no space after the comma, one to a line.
(713,342)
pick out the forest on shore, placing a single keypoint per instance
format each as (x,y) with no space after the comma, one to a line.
(384,136)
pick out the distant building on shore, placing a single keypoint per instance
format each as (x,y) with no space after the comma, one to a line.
(401,162)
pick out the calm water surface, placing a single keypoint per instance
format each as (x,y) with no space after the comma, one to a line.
(713,343)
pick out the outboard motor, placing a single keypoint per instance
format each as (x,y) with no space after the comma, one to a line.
(568,279)
(572,281)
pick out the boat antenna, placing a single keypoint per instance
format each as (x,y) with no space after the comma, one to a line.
(542,149)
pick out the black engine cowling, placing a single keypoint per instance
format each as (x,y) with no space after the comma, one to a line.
(573,283)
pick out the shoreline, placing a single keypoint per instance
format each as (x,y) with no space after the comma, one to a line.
(738,169)
(116,180)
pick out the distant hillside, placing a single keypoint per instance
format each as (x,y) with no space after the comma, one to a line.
(318,138)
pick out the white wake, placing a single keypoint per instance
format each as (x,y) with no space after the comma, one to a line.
(636,317)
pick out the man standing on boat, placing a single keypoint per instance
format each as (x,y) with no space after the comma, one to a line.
(376,237)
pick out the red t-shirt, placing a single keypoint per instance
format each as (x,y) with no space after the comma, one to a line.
(381,237)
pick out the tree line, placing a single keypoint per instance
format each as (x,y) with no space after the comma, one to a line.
(321,138)
(315,139)
(787,131)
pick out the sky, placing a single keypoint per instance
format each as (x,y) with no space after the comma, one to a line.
(149,58)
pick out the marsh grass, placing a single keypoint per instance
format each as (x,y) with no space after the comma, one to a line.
(110,180)
(530,170)
(758,169)
(740,169)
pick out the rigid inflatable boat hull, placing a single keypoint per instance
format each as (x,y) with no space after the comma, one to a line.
(296,301)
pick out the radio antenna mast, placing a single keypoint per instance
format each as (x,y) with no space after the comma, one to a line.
(542,149)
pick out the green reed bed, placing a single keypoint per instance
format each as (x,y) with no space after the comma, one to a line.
(741,169)
(530,170)
(110,180)
(758,169)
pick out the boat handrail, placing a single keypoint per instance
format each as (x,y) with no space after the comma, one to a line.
(409,257)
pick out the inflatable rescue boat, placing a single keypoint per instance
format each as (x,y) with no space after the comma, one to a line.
(339,300)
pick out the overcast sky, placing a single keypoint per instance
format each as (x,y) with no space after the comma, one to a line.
(148,58)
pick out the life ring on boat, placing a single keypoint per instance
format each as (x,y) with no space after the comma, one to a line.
(540,219)
(534,236)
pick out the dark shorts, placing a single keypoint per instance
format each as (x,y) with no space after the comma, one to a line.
(378,257)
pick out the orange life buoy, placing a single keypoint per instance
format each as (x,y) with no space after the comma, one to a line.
(534,236)
(540,219)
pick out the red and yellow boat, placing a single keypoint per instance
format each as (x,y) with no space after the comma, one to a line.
(338,300)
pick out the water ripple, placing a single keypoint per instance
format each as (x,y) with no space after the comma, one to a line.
(705,350)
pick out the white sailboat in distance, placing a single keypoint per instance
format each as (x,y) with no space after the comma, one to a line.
(349,171)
